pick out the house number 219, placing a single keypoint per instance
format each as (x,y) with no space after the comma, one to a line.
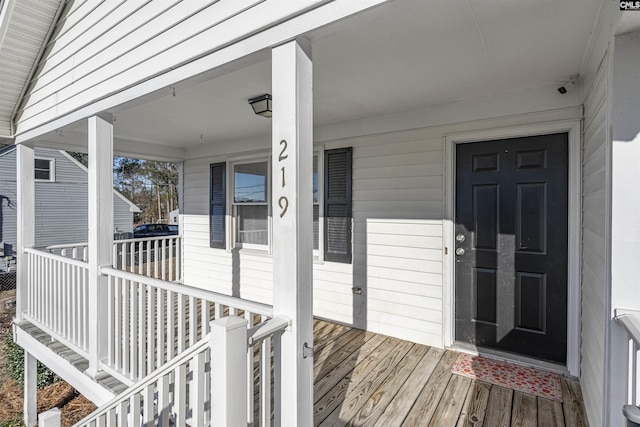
(283,202)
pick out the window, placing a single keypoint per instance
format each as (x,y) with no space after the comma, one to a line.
(249,197)
(251,203)
(44,169)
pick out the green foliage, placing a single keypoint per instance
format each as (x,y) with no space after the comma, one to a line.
(15,422)
(14,355)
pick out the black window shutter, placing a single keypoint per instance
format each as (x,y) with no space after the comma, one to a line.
(337,205)
(218,208)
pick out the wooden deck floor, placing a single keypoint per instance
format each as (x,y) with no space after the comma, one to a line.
(367,379)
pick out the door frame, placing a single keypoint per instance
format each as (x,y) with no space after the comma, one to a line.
(572,127)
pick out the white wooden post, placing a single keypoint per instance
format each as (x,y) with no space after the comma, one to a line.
(100,234)
(25,172)
(292,154)
(229,372)
(51,418)
(30,389)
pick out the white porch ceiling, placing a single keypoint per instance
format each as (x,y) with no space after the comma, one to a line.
(405,55)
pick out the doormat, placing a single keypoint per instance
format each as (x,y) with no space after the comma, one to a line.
(508,375)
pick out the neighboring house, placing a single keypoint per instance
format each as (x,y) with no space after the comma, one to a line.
(460,174)
(61,201)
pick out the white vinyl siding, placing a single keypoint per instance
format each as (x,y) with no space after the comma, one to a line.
(594,246)
(102,48)
(60,207)
(397,210)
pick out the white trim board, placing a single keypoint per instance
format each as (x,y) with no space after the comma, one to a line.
(574,228)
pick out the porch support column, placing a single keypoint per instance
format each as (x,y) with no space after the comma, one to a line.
(625,220)
(25,174)
(100,233)
(292,160)
(30,389)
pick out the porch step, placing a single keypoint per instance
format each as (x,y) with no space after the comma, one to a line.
(66,363)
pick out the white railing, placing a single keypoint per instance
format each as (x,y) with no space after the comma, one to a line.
(199,387)
(150,321)
(57,297)
(157,257)
(79,251)
(630,321)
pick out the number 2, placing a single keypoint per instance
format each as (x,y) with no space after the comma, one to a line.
(284,149)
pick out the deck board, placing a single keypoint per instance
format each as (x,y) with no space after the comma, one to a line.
(367,379)
(475,405)
(373,408)
(499,407)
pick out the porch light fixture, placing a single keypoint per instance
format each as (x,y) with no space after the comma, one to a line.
(261,105)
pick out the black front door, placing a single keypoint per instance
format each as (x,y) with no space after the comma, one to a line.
(511,245)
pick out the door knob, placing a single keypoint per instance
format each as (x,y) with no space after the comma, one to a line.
(460,251)
(460,238)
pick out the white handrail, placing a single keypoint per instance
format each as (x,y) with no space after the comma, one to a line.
(149,239)
(184,357)
(54,257)
(67,246)
(190,291)
(630,320)
(267,329)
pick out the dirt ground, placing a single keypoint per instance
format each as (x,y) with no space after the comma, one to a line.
(61,395)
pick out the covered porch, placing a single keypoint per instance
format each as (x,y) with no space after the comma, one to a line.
(344,206)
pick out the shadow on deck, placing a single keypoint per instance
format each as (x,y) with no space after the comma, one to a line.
(366,379)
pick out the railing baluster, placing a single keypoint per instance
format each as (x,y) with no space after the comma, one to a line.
(134,410)
(118,334)
(126,329)
(193,321)
(160,331)
(142,331)
(205,312)
(156,258)
(164,259)
(163,401)
(123,256)
(134,330)
(148,409)
(265,382)
(110,321)
(196,389)
(132,257)
(181,324)
(180,395)
(170,324)
(250,377)
(170,257)
(151,328)
(123,414)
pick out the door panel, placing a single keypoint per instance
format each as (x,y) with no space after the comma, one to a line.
(511,245)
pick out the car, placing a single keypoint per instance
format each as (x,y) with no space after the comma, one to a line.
(154,230)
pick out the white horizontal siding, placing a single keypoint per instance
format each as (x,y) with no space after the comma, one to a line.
(397,260)
(103,48)
(594,265)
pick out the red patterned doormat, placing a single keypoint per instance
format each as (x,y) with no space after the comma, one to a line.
(509,375)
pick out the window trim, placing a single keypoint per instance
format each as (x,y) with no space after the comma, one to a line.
(52,169)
